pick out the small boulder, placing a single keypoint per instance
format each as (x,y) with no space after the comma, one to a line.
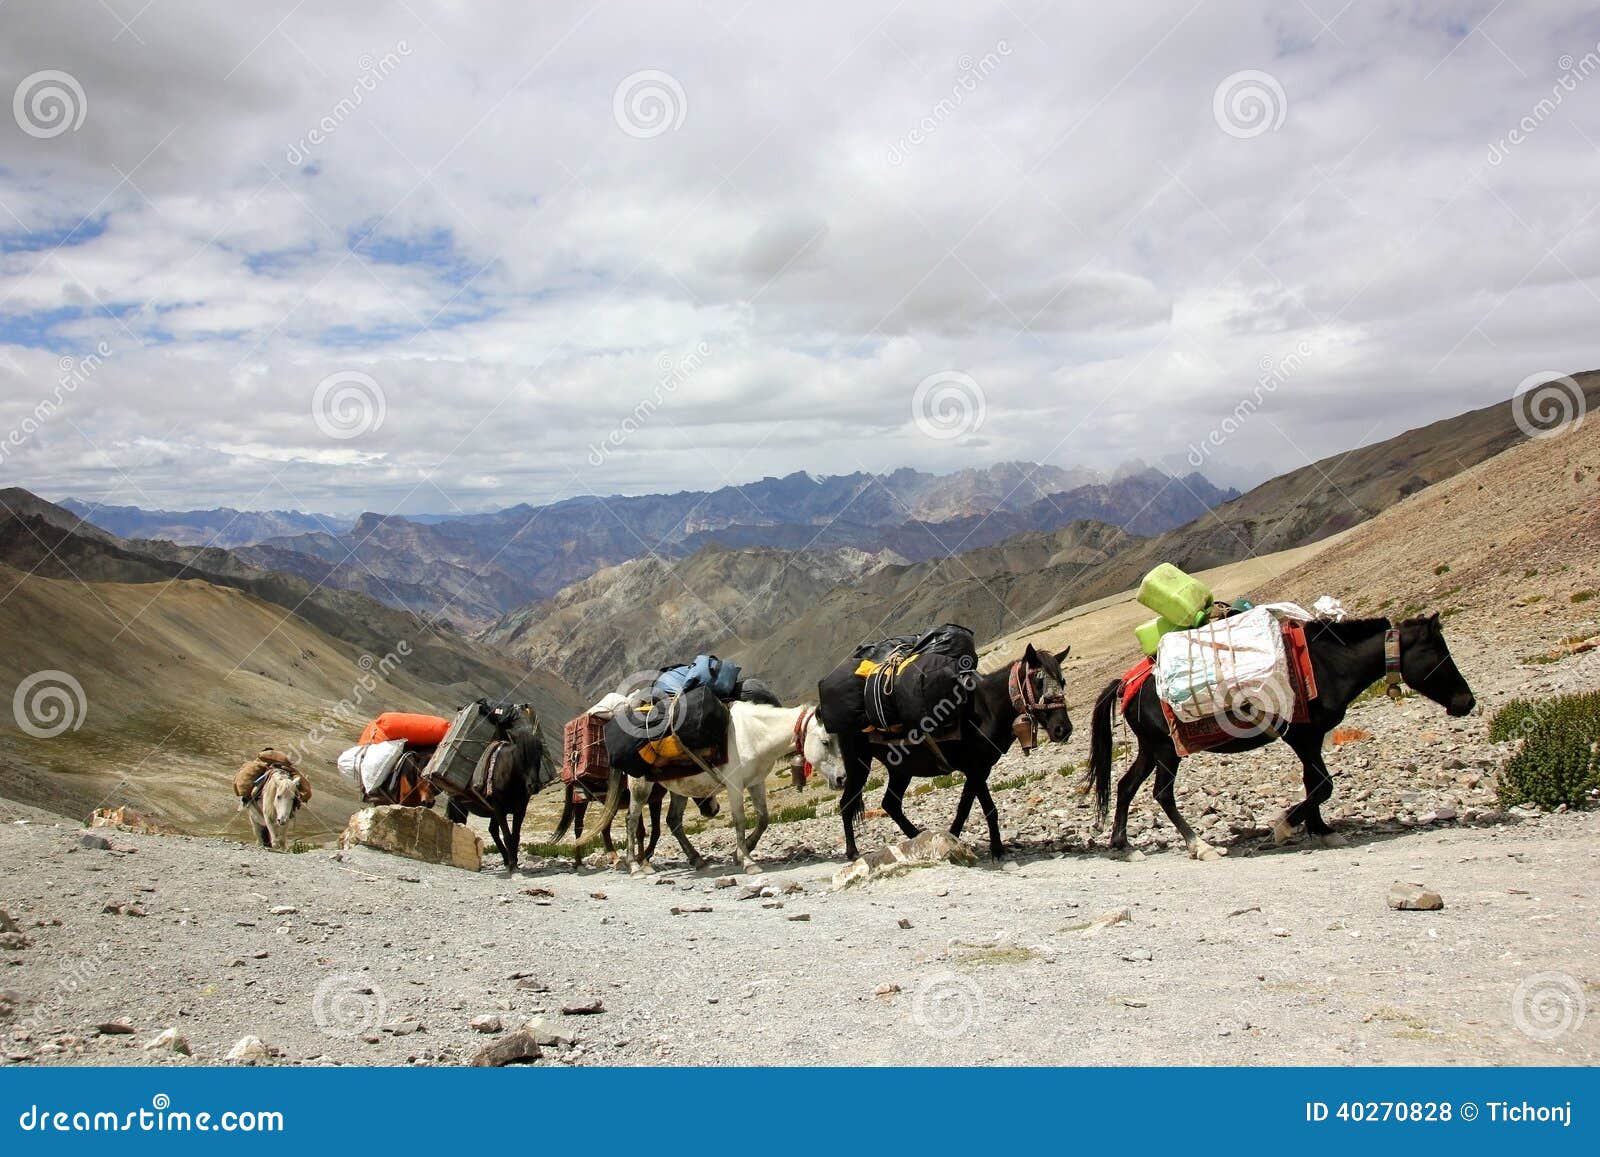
(487,1024)
(248,1050)
(1405,896)
(169,1041)
(95,843)
(518,1048)
(121,1026)
(417,833)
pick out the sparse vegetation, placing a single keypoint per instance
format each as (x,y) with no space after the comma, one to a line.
(1584,596)
(1559,760)
(1442,568)
(794,814)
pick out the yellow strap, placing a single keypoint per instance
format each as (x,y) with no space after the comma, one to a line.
(868,667)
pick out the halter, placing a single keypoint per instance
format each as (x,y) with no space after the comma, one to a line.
(1391,664)
(1028,705)
(807,714)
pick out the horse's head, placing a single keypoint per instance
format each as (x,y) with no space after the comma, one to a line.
(1045,691)
(1426,665)
(819,750)
(280,797)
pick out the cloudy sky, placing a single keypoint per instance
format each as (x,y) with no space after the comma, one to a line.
(433,256)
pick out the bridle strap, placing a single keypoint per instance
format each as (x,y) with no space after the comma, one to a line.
(807,714)
(1391,664)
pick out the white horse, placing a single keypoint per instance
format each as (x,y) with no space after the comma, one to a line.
(758,736)
(274,805)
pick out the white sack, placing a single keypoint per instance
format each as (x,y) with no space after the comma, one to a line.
(1224,666)
(369,764)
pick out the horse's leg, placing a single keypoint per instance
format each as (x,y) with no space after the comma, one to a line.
(516,834)
(893,793)
(1319,789)
(969,792)
(997,848)
(675,826)
(1166,796)
(1127,787)
(741,848)
(758,796)
(657,794)
(578,807)
(856,772)
(638,862)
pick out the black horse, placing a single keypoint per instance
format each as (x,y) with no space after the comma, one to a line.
(519,771)
(1346,659)
(987,730)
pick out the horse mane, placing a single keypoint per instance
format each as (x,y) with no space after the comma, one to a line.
(1349,632)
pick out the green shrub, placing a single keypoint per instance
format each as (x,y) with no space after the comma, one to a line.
(1583,596)
(1559,760)
(1442,568)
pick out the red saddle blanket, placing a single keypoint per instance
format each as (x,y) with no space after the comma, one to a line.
(1204,734)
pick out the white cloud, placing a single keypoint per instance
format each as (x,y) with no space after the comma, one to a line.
(1072,228)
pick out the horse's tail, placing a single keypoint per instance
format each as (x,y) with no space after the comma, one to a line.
(1100,723)
(614,791)
(567,813)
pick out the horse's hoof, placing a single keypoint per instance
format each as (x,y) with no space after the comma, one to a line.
(1127,855)
(1282,831)
(1333,840)
(1204,851)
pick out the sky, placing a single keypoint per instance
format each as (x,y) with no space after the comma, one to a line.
(412,257)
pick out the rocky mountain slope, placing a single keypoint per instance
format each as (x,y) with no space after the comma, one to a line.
(223,526)
(650,610)
(471,570)
(178,663)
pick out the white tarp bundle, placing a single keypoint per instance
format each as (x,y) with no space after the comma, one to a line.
(1238,664)
(609,706)
(369,764)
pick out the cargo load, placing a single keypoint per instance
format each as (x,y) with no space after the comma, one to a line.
(706,671)
(1237,664)
(584,759)
(655,739)
(369,765)
(1179,598)
(453,764)
(416,730)
(1151,633)
(904,687)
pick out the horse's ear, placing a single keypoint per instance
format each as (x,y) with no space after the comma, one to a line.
(1433,619)
(1031,655)
(1061,656)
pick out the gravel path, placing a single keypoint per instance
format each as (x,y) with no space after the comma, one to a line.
(1277,957)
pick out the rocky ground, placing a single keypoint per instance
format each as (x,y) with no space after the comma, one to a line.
(1280,957)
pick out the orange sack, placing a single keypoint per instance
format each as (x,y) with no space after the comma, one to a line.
(416,730)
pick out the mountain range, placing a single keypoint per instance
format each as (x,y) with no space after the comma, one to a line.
(471,570)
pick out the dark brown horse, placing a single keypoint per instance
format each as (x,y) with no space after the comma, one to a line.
(1346,659)
(1029,690)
